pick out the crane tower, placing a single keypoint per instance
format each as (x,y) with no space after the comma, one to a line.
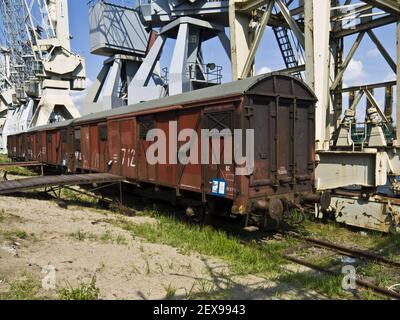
(40,68)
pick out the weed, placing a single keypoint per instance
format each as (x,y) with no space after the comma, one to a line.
(102,266)
(328,285)
(170,265)
(170,292)
(121,240)
(85,291)
(25,288)
(3,215)
(368,295)
(15,234)
(106,236)
(160,268)
(186,267)
(384,276)
(77,197)
(80,235)
(202,289)
(148,270)
(135,270)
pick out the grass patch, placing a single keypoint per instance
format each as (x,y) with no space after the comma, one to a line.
(25,288)
(384,276)
(3,215)
(85,291)
(4,158)
(13,235)
(203,289)
(339,233)
(370,295)
(106,236)
(121,240)
(82,235)
(267,262)
(77,197)
(72,198)
(208,241)
(17,171)
(324,284)
(21,171)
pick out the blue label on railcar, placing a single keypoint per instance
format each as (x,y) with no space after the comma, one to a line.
(218,187)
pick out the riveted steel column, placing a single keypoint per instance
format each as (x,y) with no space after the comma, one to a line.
(240,39)
(317,31)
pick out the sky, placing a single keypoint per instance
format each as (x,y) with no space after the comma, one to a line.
(367,66)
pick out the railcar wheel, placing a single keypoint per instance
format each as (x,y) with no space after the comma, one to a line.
(198,214)
(325,201)
(276,210)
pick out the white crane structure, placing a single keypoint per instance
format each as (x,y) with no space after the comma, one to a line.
(39,68)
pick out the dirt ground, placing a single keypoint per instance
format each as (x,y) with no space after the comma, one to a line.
(81,243)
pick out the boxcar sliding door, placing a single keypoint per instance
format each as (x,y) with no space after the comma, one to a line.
(219,176)
(104,156)
(122,146)
(146,171)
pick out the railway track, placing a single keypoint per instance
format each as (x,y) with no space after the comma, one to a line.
(350,252)
(343,251)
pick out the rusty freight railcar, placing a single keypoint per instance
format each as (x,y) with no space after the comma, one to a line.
(12,147)
(277,108)
(50,143)
(31,146)
(21,146)
(90,145)
(165,148)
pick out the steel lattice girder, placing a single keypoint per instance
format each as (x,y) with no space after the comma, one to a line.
(391,6)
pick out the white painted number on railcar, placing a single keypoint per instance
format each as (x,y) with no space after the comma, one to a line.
(128,156)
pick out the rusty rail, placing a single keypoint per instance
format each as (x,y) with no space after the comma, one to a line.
(355,253)
(362,283)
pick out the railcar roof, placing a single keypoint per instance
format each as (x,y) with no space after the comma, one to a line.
(54,125)
(219,91)
(226,89)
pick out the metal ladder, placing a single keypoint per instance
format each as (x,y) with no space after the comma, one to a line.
(285,46)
